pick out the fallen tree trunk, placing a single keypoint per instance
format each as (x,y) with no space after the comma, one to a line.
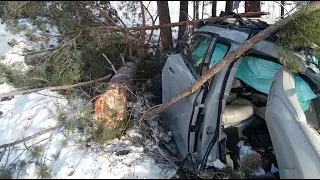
(55,88)
(232,56)
(111,106)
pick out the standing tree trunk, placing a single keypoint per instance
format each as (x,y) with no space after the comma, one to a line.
(196,9)
(164,18)
(252,6)
(202,10)
(229,7)
(183,16)
(214,9)
(282,9)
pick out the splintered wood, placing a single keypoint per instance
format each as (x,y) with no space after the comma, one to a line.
(111,107)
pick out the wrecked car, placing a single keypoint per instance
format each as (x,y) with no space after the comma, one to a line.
(252,104)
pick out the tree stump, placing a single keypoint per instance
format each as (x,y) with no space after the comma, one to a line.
(111,107)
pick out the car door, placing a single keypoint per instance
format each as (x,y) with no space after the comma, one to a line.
(179,72)
(296,143)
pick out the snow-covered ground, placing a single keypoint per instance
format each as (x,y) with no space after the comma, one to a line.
(25,115)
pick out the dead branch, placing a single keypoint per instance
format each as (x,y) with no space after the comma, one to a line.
(143,22)
(151,34)
(55,88)
(122,59)
(232,56)
(182,23)
(29,137)
(111,64)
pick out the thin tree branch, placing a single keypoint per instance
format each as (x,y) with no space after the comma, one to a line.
(112,66)
(29,137)
(55,88)
(143,40)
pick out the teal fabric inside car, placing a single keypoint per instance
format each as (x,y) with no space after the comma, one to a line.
(218,54)
(200,52)
(259,74)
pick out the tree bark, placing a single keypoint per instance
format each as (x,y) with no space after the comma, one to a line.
(183,16)
(232,56)
(197,9)
(282,9)
(111,106)
(194,10)
(229,7)
(55,88)
(214,9)
(164,18)
(202,13)
(252,6)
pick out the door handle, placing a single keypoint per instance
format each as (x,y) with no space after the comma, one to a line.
(171,70)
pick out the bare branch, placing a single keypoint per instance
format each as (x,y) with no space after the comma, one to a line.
(55,88)
(143,22)
(29,137)
(112,66)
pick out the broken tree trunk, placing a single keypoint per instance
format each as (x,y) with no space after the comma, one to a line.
(232,56)
(111,106)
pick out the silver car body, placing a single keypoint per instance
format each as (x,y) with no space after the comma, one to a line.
(196,120)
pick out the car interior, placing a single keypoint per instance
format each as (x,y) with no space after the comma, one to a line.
(244,115)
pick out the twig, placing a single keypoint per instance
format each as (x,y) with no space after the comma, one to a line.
(29,137)
(122,59)
(288,13)
(169,160)
(151,34)
(143,22)
(141,119)
(9,152)
(282,6)
(4,151)
(112,66)
(55,88)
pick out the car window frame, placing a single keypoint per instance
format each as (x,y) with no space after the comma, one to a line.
(208,60)
(187,59)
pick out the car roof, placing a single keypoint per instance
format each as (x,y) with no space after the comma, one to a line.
(239,34)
